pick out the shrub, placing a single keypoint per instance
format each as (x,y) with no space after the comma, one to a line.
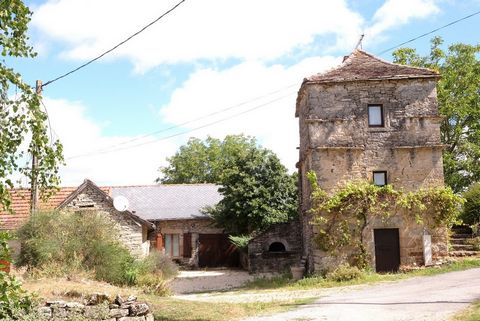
(475,242)
(158,263)
(471,208)
(66,243)
(152,283)
(14,301)
(344,273)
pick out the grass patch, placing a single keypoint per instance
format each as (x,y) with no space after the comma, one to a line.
(170,309)
(470,314)
(365,277)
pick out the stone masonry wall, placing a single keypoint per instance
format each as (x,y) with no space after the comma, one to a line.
(181,227)
(337,143)
(95,308)
(262,260)
(131,233)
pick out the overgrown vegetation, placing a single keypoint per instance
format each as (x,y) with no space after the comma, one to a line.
(14,301)
(470,314)
(59,244)
(342,217)
(471,208)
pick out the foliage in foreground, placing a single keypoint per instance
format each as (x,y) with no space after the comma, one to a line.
(58,244)
(342,217)
(471,208)
(14,301)
(459,102)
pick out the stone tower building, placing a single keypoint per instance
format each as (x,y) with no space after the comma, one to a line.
(373,120)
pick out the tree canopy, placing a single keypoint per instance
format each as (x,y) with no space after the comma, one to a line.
(22,120)
(257,189)
(459,102)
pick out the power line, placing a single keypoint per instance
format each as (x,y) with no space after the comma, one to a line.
(428,33)
(190,130)
(195,119)
(108,149)
(116,46)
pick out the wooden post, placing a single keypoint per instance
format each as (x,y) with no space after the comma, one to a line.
(33,183)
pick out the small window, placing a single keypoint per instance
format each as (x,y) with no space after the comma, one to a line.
(86,206)
(380,178)
(172,245)
(375,116)
(276,247)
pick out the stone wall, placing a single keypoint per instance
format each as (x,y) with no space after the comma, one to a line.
(261,259)
(97,307)
(182,227)
(337,143)
(132,234)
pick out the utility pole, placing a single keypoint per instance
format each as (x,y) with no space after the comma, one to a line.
(33,183)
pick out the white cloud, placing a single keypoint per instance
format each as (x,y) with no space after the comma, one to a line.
(209,29)
(273,122)
(394,13)
(81,135)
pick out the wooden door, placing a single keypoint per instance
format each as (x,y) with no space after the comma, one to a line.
(387,250)
(216,250)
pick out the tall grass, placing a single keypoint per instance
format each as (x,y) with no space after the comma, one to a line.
(59,244)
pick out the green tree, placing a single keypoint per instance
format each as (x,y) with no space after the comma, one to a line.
(459,102)
(257,189)
(204,161)
(471,208)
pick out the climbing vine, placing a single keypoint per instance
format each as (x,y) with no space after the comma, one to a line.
(342,217)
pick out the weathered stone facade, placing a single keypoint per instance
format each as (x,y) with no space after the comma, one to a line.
(133,233)
(276,249)
(337,143)
(188,253)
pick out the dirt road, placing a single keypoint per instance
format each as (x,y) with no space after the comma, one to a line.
(432,298)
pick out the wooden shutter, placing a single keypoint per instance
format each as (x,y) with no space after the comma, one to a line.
(187,245)
(159,242)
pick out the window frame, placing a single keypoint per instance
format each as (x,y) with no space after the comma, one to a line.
(385,176)
(382,116)
(170,252)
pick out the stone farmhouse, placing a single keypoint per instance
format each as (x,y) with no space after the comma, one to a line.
(369,119)
(167,218)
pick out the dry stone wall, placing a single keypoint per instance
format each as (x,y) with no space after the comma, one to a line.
(95,308)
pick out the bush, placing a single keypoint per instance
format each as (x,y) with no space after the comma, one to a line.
(471,208)
(344,273)
(158,263)
(14,301)
(57,244)
(475,242)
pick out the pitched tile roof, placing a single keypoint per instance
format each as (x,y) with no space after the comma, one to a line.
(21,206)
(360,65)
(150,202)
(169,202)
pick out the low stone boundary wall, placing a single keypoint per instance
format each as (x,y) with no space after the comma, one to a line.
(97,307)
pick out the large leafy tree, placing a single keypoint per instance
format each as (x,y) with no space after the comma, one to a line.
(459,102)
(22,119)
(257,189)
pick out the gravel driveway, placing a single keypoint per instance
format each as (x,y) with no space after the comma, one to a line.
(432,298)
(211,280)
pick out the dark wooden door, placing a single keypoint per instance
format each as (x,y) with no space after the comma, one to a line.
(387,250)
(216,250)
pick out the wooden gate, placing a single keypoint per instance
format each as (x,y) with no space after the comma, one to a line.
(216,250)
(387,250)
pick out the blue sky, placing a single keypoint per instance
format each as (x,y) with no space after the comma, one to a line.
(202,58)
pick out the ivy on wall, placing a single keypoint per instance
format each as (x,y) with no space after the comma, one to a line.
(342,217)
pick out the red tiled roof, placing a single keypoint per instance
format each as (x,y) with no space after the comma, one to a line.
(21,205)
(360,65)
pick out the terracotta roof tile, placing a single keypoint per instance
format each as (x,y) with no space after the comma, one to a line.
(21,206)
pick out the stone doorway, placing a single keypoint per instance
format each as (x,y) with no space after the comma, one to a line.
(387,250)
